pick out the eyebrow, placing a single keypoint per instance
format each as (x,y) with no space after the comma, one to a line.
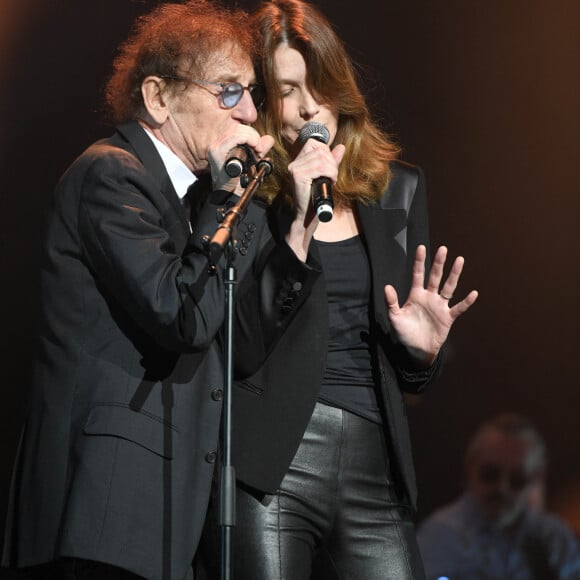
(232,77)
(288,82)
(227,78)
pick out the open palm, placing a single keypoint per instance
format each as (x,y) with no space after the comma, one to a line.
(423,323)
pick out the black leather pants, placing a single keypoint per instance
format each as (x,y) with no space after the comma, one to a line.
(335,506)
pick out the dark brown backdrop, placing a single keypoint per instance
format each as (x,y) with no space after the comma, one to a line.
(483,95)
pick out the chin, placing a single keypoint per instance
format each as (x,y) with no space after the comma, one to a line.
(291,137)
(496,511)
(507,516)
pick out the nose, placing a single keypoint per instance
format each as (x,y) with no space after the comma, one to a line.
(245,111)
(503,485)
(309,107)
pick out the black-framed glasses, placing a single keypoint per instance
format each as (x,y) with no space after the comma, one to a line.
(230,93)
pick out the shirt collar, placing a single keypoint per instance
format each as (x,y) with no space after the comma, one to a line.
(180,175)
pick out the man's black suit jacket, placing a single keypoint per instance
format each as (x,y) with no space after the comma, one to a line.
(118,450)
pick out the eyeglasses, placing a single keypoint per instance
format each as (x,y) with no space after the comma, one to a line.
(491,474)
(230,94)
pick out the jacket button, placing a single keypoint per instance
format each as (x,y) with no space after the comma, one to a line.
(211,457)
(217,394)
(243,251)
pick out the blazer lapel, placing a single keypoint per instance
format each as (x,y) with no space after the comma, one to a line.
(381,228)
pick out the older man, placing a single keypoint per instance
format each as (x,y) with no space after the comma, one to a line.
(497,530)
(117,454)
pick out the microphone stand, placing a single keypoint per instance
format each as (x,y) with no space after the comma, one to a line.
(225,237)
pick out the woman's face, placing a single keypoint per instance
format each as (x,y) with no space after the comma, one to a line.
(299,105)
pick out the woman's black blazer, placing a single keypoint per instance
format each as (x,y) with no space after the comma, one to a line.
(280,367)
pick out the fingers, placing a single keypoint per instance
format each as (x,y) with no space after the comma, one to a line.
(221,149)
(239,135)
(436,272)
(314,160)
(392,299)
(461,307)
(448,288)
(338,153)
(418,278)
(259,144)
(450,285)
(264,144)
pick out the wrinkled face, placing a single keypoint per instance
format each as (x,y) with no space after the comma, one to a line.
(501,476)
(197,115)
(299,105)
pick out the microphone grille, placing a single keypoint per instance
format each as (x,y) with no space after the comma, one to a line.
(313,130)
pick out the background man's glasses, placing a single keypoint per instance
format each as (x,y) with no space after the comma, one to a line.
(229,94)
(492,474)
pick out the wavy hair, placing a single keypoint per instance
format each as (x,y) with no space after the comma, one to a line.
(170,41)
(364,172)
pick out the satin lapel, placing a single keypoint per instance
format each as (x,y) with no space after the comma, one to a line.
(147,154)
(387,258)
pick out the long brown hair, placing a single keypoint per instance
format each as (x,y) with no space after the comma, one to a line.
(364,170)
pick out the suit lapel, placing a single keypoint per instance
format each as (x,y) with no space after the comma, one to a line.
(149,157)
(380,227)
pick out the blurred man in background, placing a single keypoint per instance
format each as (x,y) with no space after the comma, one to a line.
(497,530)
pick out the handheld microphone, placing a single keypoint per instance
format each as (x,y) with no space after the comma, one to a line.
(321,190)
(239,159)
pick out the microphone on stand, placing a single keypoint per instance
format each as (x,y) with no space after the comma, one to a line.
(321,190)
(240,158)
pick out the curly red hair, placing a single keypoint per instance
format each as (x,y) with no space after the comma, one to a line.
(171,40)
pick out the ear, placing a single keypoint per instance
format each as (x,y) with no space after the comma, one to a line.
(152,90)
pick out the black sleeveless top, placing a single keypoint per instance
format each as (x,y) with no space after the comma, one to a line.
(348,380)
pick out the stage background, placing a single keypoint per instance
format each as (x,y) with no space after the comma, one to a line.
(485,96)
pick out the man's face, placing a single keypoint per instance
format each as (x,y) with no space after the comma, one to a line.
(198,118)
(500,475)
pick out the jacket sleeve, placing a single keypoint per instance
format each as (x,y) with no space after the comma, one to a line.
(127,231)
(269,300)
(407,191)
